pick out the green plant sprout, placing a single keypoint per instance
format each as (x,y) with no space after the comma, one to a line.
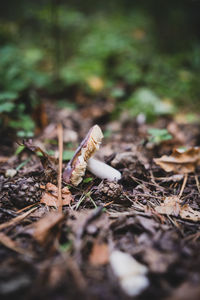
(157,136)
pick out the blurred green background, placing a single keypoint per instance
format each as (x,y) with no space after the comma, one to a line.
(143,54)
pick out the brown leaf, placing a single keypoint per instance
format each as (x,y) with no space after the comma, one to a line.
(7,242)
(171,207)
(180,161)
(50,196)
(45,227)
(3,159)
(99,255)
(188,213)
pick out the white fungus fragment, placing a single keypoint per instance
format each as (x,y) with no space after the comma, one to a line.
(102,170)
(130,273)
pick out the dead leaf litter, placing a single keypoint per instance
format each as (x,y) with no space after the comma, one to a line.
(138,237)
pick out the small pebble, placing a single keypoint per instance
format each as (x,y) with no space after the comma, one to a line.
(10,173)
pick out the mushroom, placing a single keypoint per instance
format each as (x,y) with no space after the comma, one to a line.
(76,167)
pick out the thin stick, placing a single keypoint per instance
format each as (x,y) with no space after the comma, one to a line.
(60,147)
(17,219)
(183,185)
(27,207)
(9,243)
(107,204)
(197,183)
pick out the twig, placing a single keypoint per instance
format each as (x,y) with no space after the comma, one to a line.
(60,147)
(107,204)
(17,219)
(197,183)
(183,185)
(9,243)
(27,207)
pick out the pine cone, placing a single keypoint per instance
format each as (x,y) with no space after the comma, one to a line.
(23,191)
(109,190)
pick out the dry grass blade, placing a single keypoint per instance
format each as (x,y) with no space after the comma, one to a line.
(60,146)
(17,219)
(197,183)
(25,208)
(183,185)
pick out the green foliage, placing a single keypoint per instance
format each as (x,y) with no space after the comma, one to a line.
(19,149)
(68,154)
(19,76)
(157,136)
(66,104)
(145,101)
(109,50)
(24,126)
(123,47)
(87,180)
(118,46)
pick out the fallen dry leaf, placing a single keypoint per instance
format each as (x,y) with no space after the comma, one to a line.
(188,213)
(171,206)
(50,196)
(180,161)
(3,159)
(43,228)
(99,255)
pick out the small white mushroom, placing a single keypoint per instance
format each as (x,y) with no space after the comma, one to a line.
(130,273)
(102,170)
(76,167)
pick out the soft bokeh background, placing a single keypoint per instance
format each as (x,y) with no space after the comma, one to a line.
(143,54)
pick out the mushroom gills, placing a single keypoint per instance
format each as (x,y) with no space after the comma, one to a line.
(102,170)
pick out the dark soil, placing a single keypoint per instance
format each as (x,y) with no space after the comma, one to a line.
(47,255)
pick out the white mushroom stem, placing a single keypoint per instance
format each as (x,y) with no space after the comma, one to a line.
(102,170)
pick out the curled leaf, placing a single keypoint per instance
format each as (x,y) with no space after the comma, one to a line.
(171,207)
(180,161)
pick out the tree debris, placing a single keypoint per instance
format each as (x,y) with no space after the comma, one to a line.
(171,206)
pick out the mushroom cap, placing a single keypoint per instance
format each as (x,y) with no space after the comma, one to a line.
(76,167)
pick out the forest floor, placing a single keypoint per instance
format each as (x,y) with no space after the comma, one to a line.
(151,214)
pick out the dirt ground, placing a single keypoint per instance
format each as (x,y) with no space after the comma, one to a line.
(151,214)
